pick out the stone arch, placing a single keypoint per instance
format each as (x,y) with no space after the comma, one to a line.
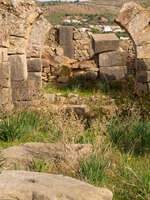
(136,21)
(21,15)
(37,37)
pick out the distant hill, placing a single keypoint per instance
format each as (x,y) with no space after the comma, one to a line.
(115,5)
(91,6)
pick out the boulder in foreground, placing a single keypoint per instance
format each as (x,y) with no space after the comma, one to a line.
(23,185)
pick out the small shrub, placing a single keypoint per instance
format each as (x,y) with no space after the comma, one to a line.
(129,135)
(38,165)
(131,174)
(13,126)
(93,168)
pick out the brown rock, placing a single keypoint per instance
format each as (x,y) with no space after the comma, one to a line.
(113,73)
(104,42)
(42,186)
(114,58)
(64,156)
(34,65)
(143,76)
(66,40)
(80,110)
(18,67)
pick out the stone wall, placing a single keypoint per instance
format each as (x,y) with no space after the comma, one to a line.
(32,51)
(88,57)
(136,20)
(5,82)
(17,19)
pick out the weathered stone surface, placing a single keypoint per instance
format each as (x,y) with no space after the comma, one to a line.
(87,75)
(16,21)
(80,110)
(4,35)
(66,40)
(113,73)
(45,63)
(20,91)
(143,51)
(88,64)
(21,17)
(37,37)
(4,71)
(42,186)
(50,97)
(17,45)
(3,55)
(34,83)
(135,20)
(141,89)
(34,65)
(114,58)
(64,156)
(104,42)
(143,64)
(5,96)
(143,76)
(18,64)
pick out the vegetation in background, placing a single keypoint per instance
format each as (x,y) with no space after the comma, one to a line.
(121,143)
(56,18)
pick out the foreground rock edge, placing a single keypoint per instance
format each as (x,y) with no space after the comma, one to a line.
(33,185)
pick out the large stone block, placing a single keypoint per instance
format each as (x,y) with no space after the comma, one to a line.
(37,37)
(4,75)
(114,58)
(34,65)
(143,51)
(66,40)
(104,42)
(34,83)
(20,91)
(18,64)
(4,36)
(4,71)
(113,73)
(3,55)
(143,64)
(27,90)
(143,76)
(5,96)
(17,45)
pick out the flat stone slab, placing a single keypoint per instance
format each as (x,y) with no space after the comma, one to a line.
(66,40)
(113,58)
(113,73)
(104,42)
(41,186)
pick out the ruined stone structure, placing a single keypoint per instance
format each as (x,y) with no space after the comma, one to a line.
(20,68)
(32,51)
(136,21)
(89,58)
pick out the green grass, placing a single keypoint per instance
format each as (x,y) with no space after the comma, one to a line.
(129,135)
(120,159)
(93,168)
(85,88)
(55,18)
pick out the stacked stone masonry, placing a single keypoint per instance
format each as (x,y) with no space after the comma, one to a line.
(17,18)
(32,51)
(85,58)
(136,20)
